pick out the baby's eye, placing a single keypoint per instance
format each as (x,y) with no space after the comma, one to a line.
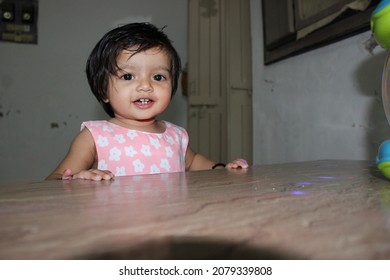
(159,77)
(127,77)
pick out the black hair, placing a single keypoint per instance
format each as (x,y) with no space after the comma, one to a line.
(102,62)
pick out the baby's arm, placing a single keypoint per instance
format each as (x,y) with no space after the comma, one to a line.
(79,163)
(196,161)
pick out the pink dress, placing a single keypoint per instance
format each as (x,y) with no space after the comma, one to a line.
(126,151)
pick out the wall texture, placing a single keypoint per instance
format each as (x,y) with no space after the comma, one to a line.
(324,104)
(44,95)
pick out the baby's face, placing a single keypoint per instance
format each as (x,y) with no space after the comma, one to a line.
(142,87)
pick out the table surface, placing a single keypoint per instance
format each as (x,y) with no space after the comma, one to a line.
(328,209)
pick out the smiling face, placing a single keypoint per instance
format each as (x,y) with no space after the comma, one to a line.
(141,88)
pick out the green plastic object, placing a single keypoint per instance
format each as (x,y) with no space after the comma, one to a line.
(383,158)
(380,26)
(380,23)
(384,167)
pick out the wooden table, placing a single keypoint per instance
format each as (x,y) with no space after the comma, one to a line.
(309,210)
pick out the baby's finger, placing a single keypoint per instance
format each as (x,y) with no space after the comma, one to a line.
(67,174)
(238,163)
(106,174)
(93,174)
(242,163)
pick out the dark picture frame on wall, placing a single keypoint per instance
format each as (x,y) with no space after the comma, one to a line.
(292,27)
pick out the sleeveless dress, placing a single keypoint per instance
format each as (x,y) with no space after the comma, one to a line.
(126,151)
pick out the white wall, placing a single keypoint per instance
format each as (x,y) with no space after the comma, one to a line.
(324,104)
(44,95)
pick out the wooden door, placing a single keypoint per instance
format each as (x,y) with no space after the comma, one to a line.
(210,92)
(239,79)
(206,101)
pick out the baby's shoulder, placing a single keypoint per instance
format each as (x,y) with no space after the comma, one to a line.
(93,124)
(173,127)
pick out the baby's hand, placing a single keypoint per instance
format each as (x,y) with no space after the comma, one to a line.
(237,163)
(91,174)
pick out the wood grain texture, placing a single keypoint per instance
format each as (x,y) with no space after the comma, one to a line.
(309,210)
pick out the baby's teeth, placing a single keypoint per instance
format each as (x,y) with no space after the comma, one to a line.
(144,100)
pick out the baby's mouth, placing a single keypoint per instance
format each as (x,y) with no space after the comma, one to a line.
(143,101)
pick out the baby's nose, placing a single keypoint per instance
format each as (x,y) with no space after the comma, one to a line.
(144,85)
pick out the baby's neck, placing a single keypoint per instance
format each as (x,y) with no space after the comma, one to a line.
(154,126)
